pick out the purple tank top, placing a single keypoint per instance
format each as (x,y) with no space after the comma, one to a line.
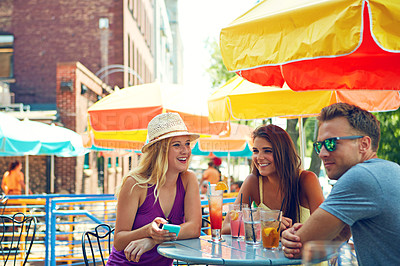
(146,213)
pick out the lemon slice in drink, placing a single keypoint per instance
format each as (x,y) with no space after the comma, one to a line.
(234,215)
(221,186)
(269,230)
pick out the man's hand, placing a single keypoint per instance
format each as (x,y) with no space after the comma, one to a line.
(291,244)
(136,248)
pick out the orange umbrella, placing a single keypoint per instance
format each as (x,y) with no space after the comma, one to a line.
(120,119)
(317,45)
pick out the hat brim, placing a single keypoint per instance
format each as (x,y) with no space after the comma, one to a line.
(192,137)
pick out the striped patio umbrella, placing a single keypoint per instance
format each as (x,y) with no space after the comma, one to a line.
(316,44)
(120,119)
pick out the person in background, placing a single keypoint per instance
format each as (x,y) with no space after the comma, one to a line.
(204,187)
(277,181)
(235,186)
(159,190)
(366,195)
(203,190)
(13,180)
(211,174)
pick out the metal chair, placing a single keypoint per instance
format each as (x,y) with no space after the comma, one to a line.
(101,237)
(17,233)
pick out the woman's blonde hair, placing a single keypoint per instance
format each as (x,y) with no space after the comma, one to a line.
(152,168)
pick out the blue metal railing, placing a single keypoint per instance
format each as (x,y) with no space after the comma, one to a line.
(62,219)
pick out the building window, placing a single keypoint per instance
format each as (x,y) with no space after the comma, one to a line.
(130,5)
(6,56)
(86,164)
(103,23)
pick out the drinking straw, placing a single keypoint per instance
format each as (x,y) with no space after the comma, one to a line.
(279,215)
(209,188)
(240,208)
(252,222)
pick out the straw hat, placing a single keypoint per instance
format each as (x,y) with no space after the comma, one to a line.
(164,126)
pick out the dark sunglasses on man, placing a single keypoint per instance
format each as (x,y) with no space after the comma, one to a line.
(330,144)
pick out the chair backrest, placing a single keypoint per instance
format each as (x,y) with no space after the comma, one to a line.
(100,242)
(17,233)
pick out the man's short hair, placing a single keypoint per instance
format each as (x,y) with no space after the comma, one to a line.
(361,120)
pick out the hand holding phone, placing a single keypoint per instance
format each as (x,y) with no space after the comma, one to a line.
(172,228)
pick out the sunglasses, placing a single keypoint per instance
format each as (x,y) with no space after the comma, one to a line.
(330,144)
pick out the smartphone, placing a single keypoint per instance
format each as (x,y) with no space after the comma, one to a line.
(172,228)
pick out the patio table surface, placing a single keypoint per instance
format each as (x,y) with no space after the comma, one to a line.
(231,251)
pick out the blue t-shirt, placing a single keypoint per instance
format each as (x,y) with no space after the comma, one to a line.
(367,198)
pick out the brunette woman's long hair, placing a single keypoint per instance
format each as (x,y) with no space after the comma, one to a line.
(287,164)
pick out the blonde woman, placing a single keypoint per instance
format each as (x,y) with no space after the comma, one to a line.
(160,190)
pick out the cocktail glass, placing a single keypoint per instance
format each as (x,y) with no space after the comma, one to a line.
(252,225)
(236,220)
(270,228)
(215,208)
(317,251)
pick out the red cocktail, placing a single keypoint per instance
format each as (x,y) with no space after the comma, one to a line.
(215,208)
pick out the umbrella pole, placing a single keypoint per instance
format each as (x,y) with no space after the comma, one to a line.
(52,177)
(302,141)
(229,170)
(26,174)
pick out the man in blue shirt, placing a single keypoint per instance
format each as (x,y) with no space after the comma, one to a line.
(366,196)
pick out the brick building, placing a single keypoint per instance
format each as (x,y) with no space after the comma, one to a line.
(50,54)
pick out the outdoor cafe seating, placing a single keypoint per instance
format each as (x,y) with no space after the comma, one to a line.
(100,241)
(17,233)
(3,203)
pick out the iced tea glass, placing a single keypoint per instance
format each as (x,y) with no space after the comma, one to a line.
(270,228)
(215,209)
(236,220)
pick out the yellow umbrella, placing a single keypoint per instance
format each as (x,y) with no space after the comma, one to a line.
(240,99)
(316,44)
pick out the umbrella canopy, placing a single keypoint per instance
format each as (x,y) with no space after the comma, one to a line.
(23,138)
(14,139)
(316,44)
(27,137)
(246,152)
(238,140)
(239,99)
(120,119)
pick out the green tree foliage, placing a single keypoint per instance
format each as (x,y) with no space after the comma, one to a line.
(389,146)
(217,70)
